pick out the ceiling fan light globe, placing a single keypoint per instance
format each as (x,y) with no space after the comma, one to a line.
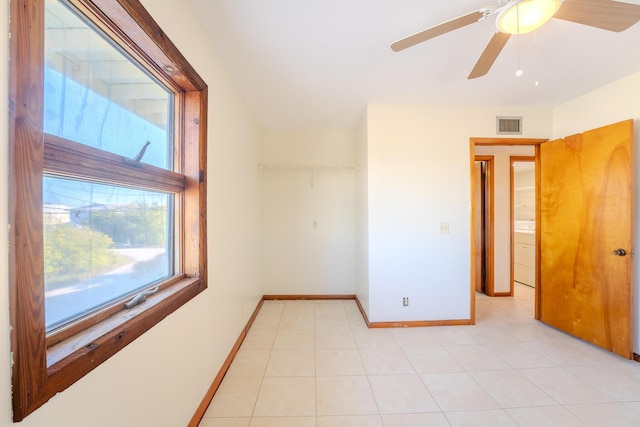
(523,16)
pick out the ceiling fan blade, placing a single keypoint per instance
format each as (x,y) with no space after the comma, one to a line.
(432,32)
(604,14)
(489,55)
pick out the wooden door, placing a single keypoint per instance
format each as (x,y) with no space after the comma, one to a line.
(586,217)
(483,222)
(479,228)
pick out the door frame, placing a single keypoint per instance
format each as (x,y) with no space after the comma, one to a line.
(473,143)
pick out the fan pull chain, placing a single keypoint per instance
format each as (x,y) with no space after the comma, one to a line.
(519,71)
(535,50)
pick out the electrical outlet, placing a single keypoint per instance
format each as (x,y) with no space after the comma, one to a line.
(314,224)
(444,228)
(405,301)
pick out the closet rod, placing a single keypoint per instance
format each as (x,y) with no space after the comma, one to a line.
(309,168)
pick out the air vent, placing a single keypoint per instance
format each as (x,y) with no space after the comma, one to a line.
(509,125)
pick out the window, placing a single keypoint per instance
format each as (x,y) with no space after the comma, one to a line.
(107,167)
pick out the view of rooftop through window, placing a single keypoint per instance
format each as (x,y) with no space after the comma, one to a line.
(102,242)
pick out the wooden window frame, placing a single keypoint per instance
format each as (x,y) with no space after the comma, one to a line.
(41,367)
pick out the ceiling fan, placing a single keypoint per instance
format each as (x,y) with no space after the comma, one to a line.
(521,16)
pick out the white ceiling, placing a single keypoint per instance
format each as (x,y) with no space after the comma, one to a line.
(317,63)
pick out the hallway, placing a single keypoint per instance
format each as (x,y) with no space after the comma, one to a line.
(315,363)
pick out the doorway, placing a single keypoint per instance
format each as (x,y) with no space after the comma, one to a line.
(499,252)
(523,220)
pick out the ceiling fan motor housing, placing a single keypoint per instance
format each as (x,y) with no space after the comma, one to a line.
(524,16)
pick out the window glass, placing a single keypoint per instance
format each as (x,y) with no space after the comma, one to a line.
(96,95)
(101,243)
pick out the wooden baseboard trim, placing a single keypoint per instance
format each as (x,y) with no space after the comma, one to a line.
(307,297)
(636,357)
(208,397)
(364,315)
(502,294)
(420,323)
(410,324)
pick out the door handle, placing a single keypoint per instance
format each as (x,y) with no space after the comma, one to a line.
(619,252)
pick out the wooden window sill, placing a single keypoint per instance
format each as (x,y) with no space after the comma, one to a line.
(97,343)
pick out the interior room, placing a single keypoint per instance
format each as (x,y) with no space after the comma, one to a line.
(339,198)
(524,222)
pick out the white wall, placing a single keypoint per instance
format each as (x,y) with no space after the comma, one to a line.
(502,210)
(160,379)
(609,104)
(525,199)
(362,215)
(309,218)
(419,176)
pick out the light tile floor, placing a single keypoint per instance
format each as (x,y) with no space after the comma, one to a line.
(315,363)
